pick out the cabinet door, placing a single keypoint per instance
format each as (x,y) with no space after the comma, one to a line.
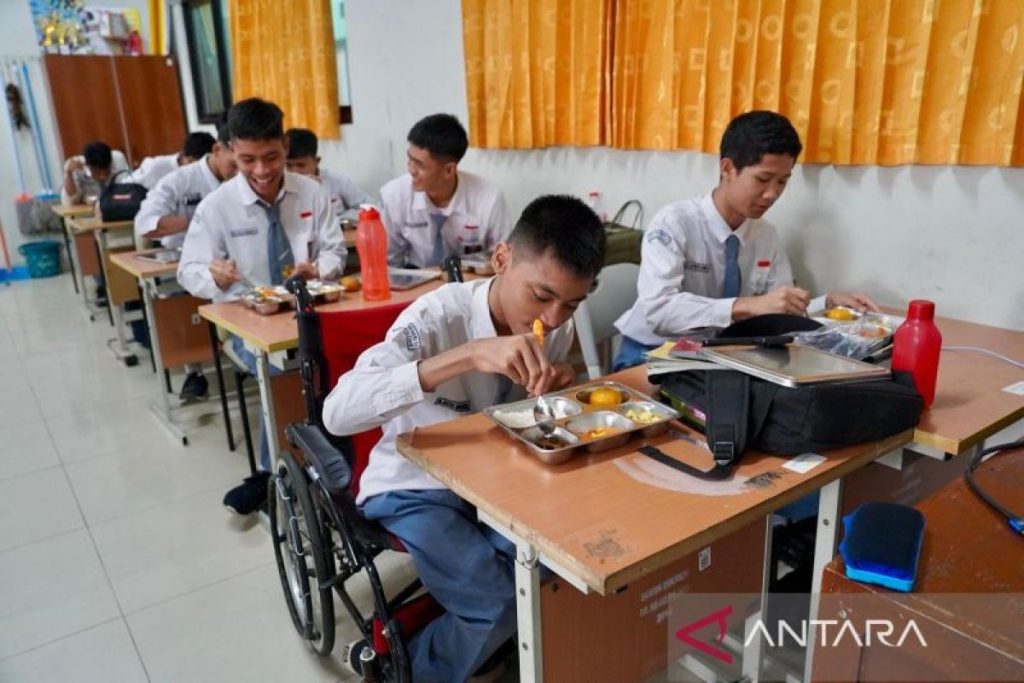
(85,101)
(151,101)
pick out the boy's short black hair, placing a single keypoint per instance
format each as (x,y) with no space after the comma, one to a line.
(223,135)
(750,136)
(442,135)
(256,119)
(197,145)
(98,155)
(566,227)
(302,143)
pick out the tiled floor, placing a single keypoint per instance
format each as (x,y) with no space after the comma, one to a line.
(118,562)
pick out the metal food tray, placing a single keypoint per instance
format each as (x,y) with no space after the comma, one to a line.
(576,417)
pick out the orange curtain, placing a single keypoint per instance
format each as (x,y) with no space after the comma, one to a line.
(284,52)
(864,81)
(536,71)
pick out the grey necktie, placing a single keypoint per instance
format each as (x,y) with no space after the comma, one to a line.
(279,251)
(731,287)
(440,252)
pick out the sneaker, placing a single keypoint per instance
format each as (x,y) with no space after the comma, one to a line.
(195,387)
(247,497)
(350,656)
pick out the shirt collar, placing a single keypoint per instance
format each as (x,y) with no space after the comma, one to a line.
(249,196)
(720,230)
(481,322)
(420,202)
(204,165)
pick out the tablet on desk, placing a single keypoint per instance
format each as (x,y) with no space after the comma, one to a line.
(406,278)
(166,256)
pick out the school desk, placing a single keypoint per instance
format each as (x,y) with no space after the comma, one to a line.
(121,286)
(603,521)
(272,337)
(965,602)
(176,336)
(65,212)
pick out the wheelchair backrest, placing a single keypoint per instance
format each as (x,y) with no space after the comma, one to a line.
(343,336)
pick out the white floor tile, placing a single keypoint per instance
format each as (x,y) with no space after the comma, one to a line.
(238,630)
(36,506)
(104,429)
(142,477)
(26,448)
(177,548)
(102,654)
(17,402)
(69,385)
(51,589)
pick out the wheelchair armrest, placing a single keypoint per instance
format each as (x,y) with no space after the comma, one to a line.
(326,460)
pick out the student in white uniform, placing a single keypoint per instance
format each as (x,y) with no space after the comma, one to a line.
(710,261)
(435,209)
(457,350)
(88,174)
(152,169)
(346,195)
(258,227)
(167,210)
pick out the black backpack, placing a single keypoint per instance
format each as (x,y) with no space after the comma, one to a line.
(737,411)
(121,201)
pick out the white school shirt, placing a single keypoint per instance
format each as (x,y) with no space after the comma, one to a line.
(231,223)
(383,389)
(152,169)
(682,271)
(86,185)
(177,194)
(475,219)
(346,196)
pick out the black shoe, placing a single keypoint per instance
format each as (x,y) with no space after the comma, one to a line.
(247,497)
(195,387)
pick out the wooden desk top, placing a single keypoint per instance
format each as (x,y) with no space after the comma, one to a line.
(130,262)
(970,404)
(73,211)
(94,223)
(593,515)
(278,332)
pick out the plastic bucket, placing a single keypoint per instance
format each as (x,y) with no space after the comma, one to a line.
(42,258)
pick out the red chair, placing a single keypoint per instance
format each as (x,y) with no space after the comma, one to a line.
(320,538)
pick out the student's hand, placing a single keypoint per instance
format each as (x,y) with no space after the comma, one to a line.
(518,357)
(793,300)
(307,270)
(224,273)
(74,164)
(859,301)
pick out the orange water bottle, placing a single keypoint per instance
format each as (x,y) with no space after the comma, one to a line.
(372,245)
(916,346)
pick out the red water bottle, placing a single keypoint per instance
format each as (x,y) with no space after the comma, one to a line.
(372,245)
(916,346)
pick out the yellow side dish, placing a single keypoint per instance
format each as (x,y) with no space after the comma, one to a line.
(538,332)
(644,417)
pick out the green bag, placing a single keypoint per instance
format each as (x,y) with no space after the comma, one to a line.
(624,240)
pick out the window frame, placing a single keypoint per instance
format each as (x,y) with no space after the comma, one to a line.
(220,36)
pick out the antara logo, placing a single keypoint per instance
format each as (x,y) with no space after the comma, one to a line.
(827,633)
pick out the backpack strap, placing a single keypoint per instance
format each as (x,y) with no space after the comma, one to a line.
(728,416)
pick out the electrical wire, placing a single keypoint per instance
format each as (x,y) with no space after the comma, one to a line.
(1016,522)
(987,352)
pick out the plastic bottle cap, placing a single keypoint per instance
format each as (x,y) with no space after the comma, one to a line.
(921,309)
(370,213)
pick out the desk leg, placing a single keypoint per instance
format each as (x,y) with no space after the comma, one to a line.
(71,258)
(162,407)
(528,613)
(215,352)
(267,403)
(121,351)
(824,551)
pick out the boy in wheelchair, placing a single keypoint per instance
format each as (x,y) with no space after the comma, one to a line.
(459,349)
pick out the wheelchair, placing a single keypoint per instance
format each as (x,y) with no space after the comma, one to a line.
(320,539)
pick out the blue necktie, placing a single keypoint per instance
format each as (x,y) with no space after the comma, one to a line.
(437,222)
(279,251)
(731,287)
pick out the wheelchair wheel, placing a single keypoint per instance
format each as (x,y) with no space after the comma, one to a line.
(302,549)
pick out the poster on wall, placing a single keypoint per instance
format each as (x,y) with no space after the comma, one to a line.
(69,27)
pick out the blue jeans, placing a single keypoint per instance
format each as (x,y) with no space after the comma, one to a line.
(466,566)
(249,359)
(631,354)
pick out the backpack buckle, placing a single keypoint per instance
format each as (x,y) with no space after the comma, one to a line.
(724,452)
